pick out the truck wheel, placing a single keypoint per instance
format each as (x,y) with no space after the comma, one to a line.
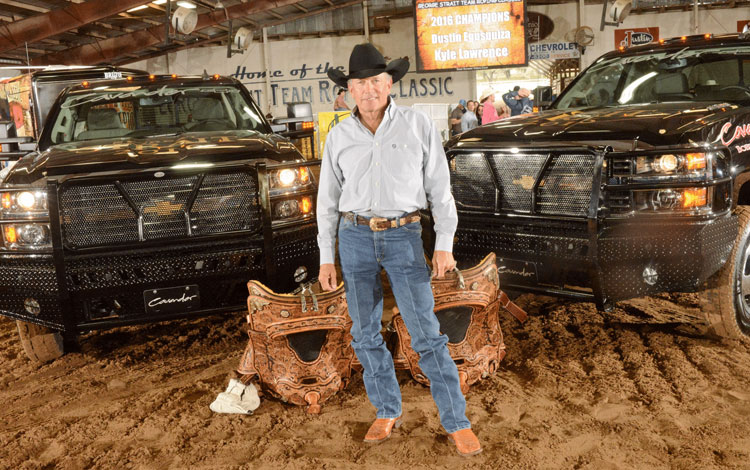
(726,300)
(40,343)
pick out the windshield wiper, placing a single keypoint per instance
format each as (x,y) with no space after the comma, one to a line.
(675,55)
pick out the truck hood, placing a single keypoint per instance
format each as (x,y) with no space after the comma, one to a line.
(624,128)
(155,151)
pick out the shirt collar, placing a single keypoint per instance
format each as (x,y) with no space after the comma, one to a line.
(390,110)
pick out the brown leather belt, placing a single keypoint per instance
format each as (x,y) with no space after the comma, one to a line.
(378,224)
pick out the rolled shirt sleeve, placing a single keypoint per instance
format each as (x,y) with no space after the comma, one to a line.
(327,213)
(437,186)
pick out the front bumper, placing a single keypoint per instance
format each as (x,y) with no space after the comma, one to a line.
(603,262)
(82,292)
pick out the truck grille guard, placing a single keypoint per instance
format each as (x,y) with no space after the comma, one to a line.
(538,184)
(135,200)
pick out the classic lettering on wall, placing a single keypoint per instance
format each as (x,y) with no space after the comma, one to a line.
(295,85)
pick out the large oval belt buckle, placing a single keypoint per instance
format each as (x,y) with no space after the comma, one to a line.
(374,221)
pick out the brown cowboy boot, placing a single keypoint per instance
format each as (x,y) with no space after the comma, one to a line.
(381,429)
(466,442)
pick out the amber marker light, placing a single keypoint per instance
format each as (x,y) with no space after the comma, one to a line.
(661,41)
(152,76)
(85,83)
(6,201)
(306,205)
(694,197)
(216,76)
(304,174)
(707,35)
(695,161)
(683,38)
(621,48)
(10,234)
(174,75)
(308,125)
(130,79)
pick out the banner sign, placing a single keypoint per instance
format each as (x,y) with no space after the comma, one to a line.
(469,34)
(636,36)
(553,51)
(326,122)
(15,93)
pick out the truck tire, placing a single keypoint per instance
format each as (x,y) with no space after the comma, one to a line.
(40,343)
(725,301)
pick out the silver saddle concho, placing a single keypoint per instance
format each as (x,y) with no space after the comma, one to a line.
(300,343)
(467,305)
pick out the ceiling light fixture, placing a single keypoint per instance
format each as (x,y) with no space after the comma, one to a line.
(141,7)
(186,5)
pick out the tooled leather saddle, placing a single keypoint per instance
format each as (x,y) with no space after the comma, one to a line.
(299,345)
(467,305)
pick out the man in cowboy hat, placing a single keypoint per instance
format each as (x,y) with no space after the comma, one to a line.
(379,168)
(489,113)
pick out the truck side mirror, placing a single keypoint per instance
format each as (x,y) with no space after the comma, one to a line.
(277,128)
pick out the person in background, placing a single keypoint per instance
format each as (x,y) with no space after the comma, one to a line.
(479,111)
(340,104)
(469,119)
(518,102)
(455,118)
(380,167)
(504,111)
(489,113)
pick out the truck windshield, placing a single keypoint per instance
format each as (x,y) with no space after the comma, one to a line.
(143,111)
(700,74)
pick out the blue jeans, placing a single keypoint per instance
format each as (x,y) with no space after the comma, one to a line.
(363,254)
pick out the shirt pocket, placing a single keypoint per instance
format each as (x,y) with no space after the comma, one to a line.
(404,161)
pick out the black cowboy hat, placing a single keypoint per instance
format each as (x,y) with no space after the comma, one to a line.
(366,61)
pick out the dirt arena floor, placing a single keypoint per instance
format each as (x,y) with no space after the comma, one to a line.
(633,389)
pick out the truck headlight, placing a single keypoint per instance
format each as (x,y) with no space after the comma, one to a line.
(673,200)
(23,201)
(289,178)
(294,208)
(30,235)
(671,164)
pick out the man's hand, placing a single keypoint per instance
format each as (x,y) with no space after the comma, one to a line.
(327,276)
(442,262)
(523,93)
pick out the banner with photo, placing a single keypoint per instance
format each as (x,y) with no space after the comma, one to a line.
(15,93)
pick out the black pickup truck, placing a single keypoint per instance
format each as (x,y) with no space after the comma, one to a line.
(25,101)
(634,182)
(149,198)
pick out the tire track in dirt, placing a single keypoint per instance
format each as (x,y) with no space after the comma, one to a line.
(578,389)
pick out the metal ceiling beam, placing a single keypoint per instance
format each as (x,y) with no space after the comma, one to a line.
(25,6)
(38,27)
(221,37)
(110,49)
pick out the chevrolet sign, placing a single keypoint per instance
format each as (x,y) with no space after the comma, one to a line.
(553,50)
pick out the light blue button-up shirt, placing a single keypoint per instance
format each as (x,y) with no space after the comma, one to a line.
(399,169)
